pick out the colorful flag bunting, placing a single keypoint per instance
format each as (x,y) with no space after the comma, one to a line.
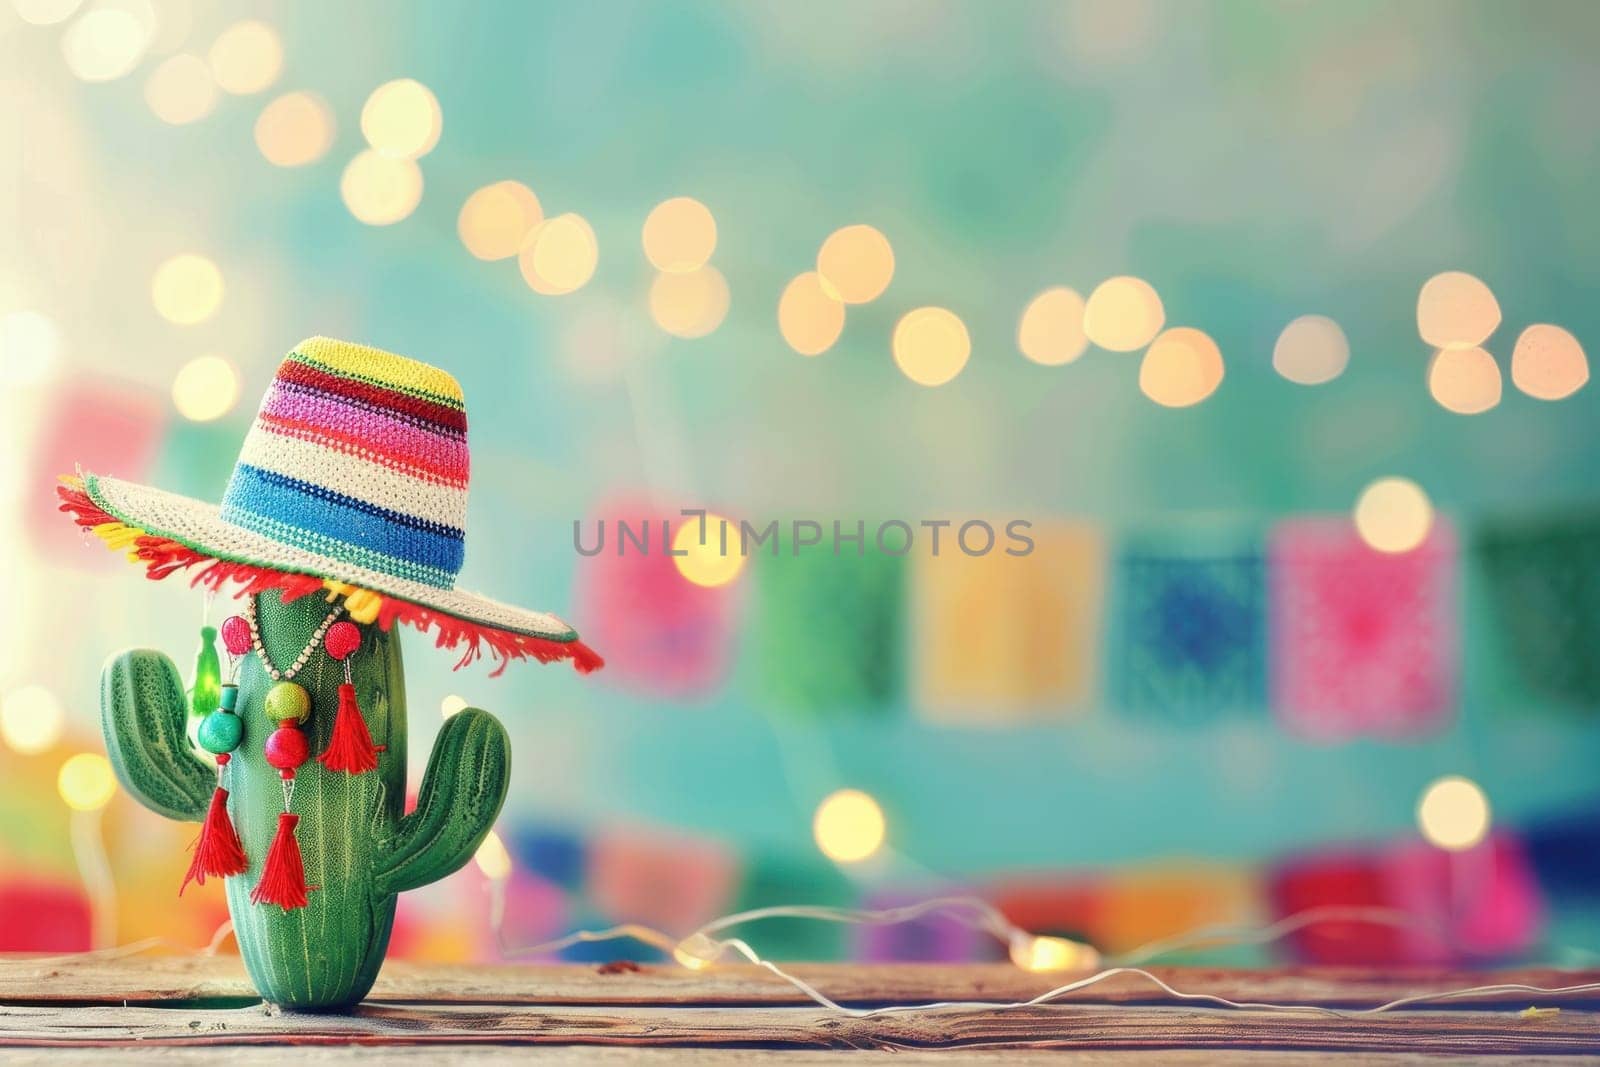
(1361,642)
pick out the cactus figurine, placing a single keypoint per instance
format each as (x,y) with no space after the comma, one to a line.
(344,516)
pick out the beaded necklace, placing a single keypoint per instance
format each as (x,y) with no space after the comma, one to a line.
(305,654)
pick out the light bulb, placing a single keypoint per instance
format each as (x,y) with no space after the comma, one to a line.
(1041,954)
(697,952)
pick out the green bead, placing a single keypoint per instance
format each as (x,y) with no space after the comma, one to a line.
(230,698)
(286,700)
(220,732)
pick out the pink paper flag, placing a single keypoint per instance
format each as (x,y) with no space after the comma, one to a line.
(1362,642)
(1483,902)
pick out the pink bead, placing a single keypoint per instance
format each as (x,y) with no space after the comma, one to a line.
(342,639)
(287,748)
(236,635)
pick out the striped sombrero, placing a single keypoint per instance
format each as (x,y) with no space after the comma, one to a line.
(352,482)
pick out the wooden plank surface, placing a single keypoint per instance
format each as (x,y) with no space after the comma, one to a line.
(1064,1026)
(157,979)
(196,1005)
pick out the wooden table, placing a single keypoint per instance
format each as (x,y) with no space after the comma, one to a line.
(199,1009)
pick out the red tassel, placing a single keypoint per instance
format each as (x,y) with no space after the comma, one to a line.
(350,748)
(217,851)
(283,876)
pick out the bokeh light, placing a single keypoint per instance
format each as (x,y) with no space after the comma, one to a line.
(1182,367)
(1456,310)
(402,119)
(1123,314)
(707,564)
(1311,350)
(679,235)
(31,719)
(247,57)
(493,859)
(931,345)
(856,264)
(689,305)
(1453,813)
(1051,330)
(560,256)
(107,41)
(849,826)
(295,129)
(205,389)
(495,220)
(1548,363)
(181,90)
(45,12)
(453,704)
(809,318)
(29,347)
(381,191)
(1464,380)
(85,782)
(1393,515)
(187,289)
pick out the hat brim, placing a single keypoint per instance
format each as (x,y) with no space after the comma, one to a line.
(199,526)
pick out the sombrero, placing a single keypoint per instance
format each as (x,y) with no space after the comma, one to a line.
(352,483)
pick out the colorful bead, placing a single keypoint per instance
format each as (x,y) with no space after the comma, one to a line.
(236,634)
(287,748)
(220,732)
(230,698)
(343,638)
(287,700)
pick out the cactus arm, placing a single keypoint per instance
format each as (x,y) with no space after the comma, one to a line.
(461,794)
(142,711)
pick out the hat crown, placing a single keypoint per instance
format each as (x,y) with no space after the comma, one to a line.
(359,454)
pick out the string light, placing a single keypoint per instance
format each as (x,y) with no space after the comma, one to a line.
(849,826)
(85,782)
(689,305)
(1182,368)
(1044,954)
(380,191)
(246,58)
(1464,380)
(1548,363)
(295,129)
(187,289)
(931,345)
(31,719)
(1051,330)
(809,318)
(1311,350)
(181,91)
(1393,515)
(1453,814)
(492,858)
(715,563)
(29,346)
(205,389)
(402,119)
(1456,310)
(560,256)
(1123,314)
(495,220)
(679,235)
(856,264)
(45,12)
(452,705)
(107,42)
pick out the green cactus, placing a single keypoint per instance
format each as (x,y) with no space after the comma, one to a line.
(359,850)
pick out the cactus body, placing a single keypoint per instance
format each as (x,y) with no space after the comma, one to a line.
(359,850)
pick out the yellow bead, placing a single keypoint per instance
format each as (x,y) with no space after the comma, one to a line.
(286,700)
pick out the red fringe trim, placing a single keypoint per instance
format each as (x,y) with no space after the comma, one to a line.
(163,557)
